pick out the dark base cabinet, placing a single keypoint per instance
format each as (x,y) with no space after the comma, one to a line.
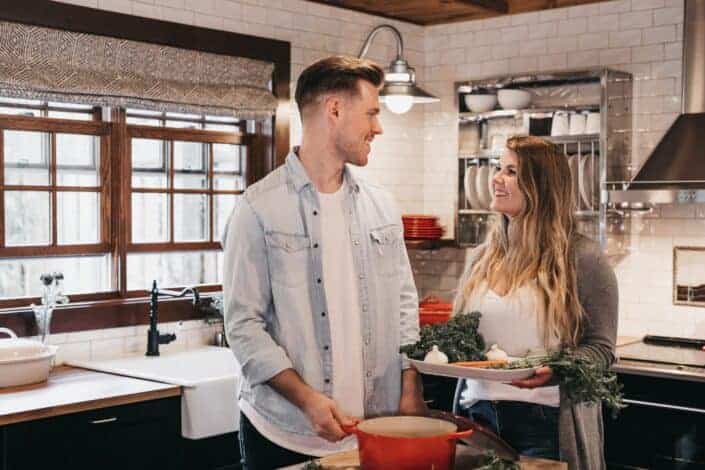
(138,436)
(662,428)
(212,453)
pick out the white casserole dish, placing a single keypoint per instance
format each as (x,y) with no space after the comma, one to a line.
(24,361)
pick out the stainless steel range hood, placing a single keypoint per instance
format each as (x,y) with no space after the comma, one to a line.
(675,170)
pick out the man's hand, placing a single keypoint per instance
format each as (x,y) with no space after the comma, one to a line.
(541,378)
(323,413)
(325,417)
(411,402)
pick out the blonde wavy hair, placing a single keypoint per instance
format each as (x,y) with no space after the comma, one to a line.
(537,247)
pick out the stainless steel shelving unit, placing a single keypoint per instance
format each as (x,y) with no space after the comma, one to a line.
(482,137)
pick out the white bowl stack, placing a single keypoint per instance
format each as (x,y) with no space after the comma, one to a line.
(24,361)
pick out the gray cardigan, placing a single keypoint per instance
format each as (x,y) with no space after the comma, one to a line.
(581,438)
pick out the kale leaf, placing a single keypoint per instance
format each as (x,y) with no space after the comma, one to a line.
(458,338)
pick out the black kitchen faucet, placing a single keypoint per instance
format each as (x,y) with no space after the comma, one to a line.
(154,339)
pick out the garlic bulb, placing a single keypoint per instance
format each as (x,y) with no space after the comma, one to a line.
(435,356)
(496,354)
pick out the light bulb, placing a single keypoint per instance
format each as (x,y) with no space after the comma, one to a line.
(398,104)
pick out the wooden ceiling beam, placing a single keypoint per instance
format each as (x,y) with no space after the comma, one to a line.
(499,6)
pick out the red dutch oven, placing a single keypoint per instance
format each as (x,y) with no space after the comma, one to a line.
(406,443)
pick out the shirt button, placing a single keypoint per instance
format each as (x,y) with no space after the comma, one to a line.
(356,242)
(325,347)
(367,342)
(364,308)
(323,314)
(318,280)
(327,381)
(369,374)
(315,212)
(315,245)
(361,276)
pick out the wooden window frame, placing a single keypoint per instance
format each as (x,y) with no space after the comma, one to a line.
(267,149)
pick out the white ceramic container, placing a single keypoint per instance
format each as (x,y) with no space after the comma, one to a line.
(23,361)
(480,103)
(514,99)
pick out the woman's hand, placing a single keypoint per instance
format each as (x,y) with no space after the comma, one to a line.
(541,378)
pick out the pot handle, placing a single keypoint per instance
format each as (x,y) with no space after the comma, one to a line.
(349,428)
(8,332)
(461,434)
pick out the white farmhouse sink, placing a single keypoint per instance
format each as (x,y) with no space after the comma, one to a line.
(208,375)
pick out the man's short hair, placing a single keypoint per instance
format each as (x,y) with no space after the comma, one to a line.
(335,74)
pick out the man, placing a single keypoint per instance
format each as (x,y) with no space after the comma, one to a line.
(318,289)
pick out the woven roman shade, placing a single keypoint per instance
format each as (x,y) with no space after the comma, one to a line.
(56,65)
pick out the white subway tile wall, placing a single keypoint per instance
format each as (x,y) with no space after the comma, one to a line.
(416,156)
(110,343)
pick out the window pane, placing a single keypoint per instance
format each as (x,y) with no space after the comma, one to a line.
(143,112)
(20,101)
(143,121)
(150,218)
(77,160)
(224,204)
(191,217)
(26,157)
(190,165)
(149,169)
(183,124)
(82,275)
(222,127)
(68,115)
(229,182)
(78,217)
(20,111)
(173,269)
(226,157)
(27,218)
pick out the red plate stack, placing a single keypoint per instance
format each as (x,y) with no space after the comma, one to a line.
(434,310)
(421,227)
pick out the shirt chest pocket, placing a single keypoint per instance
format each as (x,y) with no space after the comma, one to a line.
(288,258)
(385,242)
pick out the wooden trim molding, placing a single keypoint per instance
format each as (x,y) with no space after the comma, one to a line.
(101,314)
(190,135)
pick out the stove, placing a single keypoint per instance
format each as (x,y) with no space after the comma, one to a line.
(663,426)
(666,350)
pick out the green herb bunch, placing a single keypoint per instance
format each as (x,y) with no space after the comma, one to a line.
(583,381)
(458,338)
(580,378)
(313,465)
(490,461)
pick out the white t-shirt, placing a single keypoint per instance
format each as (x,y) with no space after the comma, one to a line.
(511,322)
(341,289)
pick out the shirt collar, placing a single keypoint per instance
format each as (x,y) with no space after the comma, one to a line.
(299,179)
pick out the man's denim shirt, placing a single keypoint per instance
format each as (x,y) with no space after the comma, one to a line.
(275,304)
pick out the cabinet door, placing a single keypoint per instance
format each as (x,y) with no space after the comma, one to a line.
(138,436)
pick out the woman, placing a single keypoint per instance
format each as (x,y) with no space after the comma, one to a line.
(539,285)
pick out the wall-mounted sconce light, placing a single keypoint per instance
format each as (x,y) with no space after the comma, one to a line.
(400,91)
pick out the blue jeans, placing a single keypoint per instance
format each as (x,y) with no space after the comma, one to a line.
(531,429)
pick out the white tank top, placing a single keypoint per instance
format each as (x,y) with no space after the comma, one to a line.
(511,322)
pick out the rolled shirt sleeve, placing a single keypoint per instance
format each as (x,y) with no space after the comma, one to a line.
(247,295)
